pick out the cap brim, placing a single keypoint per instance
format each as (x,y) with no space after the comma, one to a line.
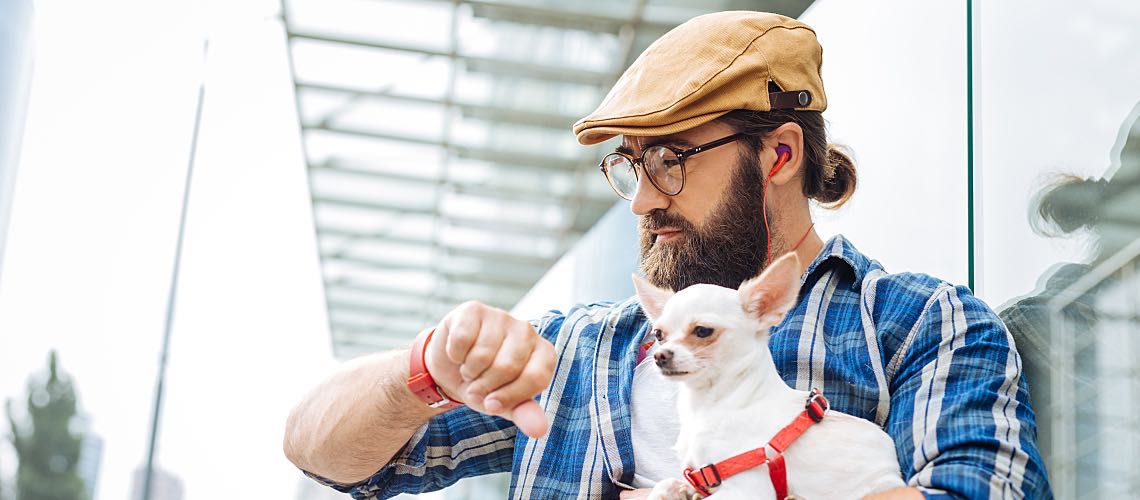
(591,132)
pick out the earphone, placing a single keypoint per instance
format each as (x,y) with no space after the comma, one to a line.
(783,154)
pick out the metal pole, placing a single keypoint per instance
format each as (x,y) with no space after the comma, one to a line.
(148,477)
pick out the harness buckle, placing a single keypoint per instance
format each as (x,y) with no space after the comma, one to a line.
(703,484)
(816,405)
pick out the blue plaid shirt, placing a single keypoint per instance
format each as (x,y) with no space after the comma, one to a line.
(927,361)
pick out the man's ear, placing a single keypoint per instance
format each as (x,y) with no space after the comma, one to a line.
(652,299)
(771,295)
(789,134)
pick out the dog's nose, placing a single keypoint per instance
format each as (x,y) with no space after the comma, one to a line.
(663,357)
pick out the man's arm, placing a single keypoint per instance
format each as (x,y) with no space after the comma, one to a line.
(960,414)
(354,423)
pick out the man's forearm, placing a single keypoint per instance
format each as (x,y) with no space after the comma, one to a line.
(352,424)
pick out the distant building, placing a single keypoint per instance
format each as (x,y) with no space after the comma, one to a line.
(90,458)
(164,485)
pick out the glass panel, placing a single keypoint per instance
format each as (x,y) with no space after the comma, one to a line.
(1058,220)
(905,125)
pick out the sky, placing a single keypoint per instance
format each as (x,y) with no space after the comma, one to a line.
(94,224)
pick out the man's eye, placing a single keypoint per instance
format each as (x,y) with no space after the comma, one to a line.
(659,335)
(702,331)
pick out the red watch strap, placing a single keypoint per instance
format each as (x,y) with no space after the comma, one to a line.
(419,380)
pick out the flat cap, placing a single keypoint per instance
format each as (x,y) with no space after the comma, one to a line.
(706,67)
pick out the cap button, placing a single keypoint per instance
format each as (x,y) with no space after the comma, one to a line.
(804,98)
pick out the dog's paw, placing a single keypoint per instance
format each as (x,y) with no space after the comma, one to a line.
(673,489)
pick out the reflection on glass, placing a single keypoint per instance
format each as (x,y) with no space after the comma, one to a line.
(1076,335)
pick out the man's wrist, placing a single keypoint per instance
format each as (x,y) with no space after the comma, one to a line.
(420,381)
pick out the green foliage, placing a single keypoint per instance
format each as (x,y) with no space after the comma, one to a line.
(46,444)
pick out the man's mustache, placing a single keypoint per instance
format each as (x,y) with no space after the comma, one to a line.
(658,218)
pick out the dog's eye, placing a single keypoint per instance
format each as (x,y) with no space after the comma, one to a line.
(702,331)
(658,334)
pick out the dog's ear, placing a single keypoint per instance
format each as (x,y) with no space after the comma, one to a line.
(771,295)
(653,299)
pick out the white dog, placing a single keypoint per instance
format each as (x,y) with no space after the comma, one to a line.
(732,401)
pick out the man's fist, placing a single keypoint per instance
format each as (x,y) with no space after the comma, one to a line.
(494,363)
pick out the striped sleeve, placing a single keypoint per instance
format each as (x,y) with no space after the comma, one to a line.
(457,444)
(451,446)
(960,414)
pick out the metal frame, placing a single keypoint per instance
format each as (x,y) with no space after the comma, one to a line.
(497,274)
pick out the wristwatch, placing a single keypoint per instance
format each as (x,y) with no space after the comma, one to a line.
(419,380)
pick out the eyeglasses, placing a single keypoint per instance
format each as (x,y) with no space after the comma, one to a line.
(665,167)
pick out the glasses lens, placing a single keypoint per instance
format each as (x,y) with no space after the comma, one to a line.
(623,178)
(665,169)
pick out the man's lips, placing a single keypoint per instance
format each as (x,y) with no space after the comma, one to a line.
(666,234)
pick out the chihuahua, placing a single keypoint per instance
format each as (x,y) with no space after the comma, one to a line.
(733,404)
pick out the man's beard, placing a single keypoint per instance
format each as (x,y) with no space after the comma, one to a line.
(730,248)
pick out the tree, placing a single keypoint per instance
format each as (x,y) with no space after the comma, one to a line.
(46,444)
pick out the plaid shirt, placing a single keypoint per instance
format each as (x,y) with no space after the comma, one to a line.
(927,361)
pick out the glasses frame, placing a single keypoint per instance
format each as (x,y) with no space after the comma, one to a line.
(639,163)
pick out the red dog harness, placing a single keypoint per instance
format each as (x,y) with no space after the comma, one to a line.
(711,475)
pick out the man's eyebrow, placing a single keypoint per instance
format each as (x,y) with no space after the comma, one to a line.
(667,141)
(670,141)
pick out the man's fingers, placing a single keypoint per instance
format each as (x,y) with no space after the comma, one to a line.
(530,419)
(535,377)
(517,347)
(462,327)
(483,353)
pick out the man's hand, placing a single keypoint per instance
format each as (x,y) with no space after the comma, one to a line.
(494,363)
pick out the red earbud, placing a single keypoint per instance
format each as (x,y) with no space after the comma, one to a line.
(783,154)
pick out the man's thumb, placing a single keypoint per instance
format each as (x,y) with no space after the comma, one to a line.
(530,419)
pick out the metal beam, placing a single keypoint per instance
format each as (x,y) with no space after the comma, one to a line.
(492,297)
(511,258)
(558,18)
(522,228)
(499,67)
(369,308)
(471,189)
(483,260)
(497,225)
(375,206)
(516,281)
(413,326)
(537,162)
(484,112)
(347,346)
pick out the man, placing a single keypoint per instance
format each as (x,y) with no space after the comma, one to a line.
(722,117)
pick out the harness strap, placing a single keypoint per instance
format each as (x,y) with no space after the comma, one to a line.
(710,476)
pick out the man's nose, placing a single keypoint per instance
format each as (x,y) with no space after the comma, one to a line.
(647,198)
(663,357)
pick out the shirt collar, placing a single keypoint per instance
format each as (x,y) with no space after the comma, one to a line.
(838,251)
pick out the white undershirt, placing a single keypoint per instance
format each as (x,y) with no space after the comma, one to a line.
(653,409)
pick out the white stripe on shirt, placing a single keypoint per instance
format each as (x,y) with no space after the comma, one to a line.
(809,362)
(928,399)
(870,284)
(1009,462)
